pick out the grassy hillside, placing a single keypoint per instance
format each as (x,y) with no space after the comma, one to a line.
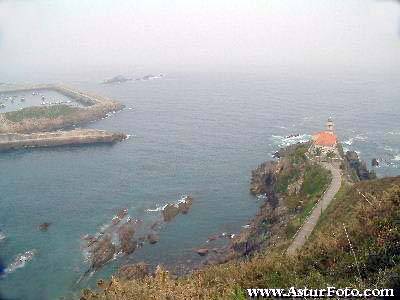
(372,225)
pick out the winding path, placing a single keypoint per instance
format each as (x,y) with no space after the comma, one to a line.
(309,224)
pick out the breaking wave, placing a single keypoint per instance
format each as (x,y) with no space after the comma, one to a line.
(158,208)
(20,261)
(284,141)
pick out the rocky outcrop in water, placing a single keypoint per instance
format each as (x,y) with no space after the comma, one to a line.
(170,211)
(120,237)
(44,226)
(117,79)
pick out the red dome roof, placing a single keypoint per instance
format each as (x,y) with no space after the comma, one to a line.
(325,138)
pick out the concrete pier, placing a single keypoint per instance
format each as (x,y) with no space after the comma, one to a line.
(13,141)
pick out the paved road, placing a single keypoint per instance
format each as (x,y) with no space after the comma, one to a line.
(310,223)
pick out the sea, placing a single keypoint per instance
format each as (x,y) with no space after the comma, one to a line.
(197,133)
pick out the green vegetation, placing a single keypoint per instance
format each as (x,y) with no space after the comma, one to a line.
(331,154)
(36,112)
(316,180)
(299,154)
(286,178)
(327,259)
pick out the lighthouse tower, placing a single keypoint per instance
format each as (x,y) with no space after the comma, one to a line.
(330,126)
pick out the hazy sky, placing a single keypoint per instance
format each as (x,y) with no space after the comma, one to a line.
(55,34)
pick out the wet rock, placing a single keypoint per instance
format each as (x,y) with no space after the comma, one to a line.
(90,240)
(125,235)
(202,251)
(44,226)
(135,271)
(354,164)
(276,155)
(169,212)
(119,216)
(156,225)
(102,252)
(375,162)
(184,204)
(263,178)
(153,238)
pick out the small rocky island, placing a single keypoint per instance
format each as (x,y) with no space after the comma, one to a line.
(36,126)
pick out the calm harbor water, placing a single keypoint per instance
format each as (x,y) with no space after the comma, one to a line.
(191,133)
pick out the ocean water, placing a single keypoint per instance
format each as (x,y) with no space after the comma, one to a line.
(192,133)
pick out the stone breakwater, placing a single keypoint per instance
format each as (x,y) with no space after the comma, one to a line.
(96,108)
(12,141)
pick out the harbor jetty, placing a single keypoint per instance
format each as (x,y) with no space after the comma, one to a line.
(14,141)
(49,118)
(47,126)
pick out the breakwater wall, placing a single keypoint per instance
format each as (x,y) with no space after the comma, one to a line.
(13,141)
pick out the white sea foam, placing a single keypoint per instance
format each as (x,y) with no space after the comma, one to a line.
(349,142)
(397,157)
(158,208)
(262,197)
(388,148)
(283,141)
(393,133)
(20,261)
(360,137)
(2,236)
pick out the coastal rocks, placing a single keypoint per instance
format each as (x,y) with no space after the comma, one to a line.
(153,238)
(202,251)
(170,211)
(44,226)
(354,164)
(125,234)
(119,216)
(135,271)
(263,178)
(375,162)
(116,79)
(20,261)
(184,204)
(103,251)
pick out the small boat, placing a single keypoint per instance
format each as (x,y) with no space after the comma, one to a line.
(22,99)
